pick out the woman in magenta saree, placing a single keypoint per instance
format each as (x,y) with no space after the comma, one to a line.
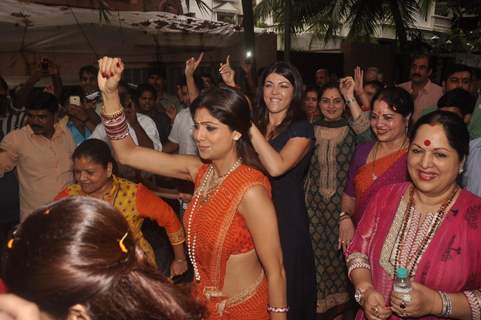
(430,226)
(376,164)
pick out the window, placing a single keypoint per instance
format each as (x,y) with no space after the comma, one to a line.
(226,17)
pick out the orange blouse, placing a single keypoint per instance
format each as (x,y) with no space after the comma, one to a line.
(220,232)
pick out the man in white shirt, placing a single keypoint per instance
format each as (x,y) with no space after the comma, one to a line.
(142,129)
(181,133)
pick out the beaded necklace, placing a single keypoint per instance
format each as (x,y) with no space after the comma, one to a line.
(192,241)
(438,219)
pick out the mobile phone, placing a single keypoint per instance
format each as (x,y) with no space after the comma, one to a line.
(75,100)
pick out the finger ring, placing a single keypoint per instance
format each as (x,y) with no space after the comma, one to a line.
(402,305)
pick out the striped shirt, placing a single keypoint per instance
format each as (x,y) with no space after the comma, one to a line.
(14,119)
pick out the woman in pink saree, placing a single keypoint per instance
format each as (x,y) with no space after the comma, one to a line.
(430,227)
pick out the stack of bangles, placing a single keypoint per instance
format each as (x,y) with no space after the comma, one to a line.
(447,304)
(277,309)
(343,216)
(115,124)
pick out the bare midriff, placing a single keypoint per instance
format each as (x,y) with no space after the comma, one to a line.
(242,271)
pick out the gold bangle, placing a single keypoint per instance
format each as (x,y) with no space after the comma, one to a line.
(180,260)
(112,115)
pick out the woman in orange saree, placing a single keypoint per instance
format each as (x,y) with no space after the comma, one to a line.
(376,164)
(232,234)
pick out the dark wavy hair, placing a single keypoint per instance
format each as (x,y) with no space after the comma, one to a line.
(398,99)
(231,107)
(69,253)
(454,128)
(295,111)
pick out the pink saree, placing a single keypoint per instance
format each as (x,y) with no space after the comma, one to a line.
(452,260)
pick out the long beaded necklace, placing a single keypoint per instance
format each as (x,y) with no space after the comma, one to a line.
(426,239)
(192,241)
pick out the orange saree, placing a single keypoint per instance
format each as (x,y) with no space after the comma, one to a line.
(220,232)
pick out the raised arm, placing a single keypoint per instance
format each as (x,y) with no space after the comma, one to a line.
(347,90)
(177,166)
(190,67)
(278,163)
(227,73)
(260,216)
(359,88)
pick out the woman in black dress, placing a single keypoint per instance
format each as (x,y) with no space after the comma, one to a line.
(283,138)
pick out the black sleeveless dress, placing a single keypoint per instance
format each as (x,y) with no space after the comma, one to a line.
(288,198)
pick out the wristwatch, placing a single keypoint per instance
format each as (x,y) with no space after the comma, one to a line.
(349,101)
(359,295)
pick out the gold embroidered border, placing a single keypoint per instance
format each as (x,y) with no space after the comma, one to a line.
(240,297)
(177,237)
(474,301)
(387,253)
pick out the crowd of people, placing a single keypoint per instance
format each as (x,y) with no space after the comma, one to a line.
(270,198)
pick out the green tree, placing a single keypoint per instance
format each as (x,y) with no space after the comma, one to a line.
(324,18)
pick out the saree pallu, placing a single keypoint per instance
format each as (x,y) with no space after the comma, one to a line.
(365,179)
(451,262)
(220,232)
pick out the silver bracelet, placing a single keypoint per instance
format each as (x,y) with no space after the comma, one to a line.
(447,307)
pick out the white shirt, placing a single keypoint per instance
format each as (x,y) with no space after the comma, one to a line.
(472,173)
(145,122)
(181,132)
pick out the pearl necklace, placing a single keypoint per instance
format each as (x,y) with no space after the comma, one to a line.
(191,242)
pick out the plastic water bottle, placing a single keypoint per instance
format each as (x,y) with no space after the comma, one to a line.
(402,284)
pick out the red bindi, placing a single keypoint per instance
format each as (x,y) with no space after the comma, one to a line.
(427,142)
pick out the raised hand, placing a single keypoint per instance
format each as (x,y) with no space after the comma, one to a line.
(192,64)
(346,85)
(110,73)
(227,73)
(358,80)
